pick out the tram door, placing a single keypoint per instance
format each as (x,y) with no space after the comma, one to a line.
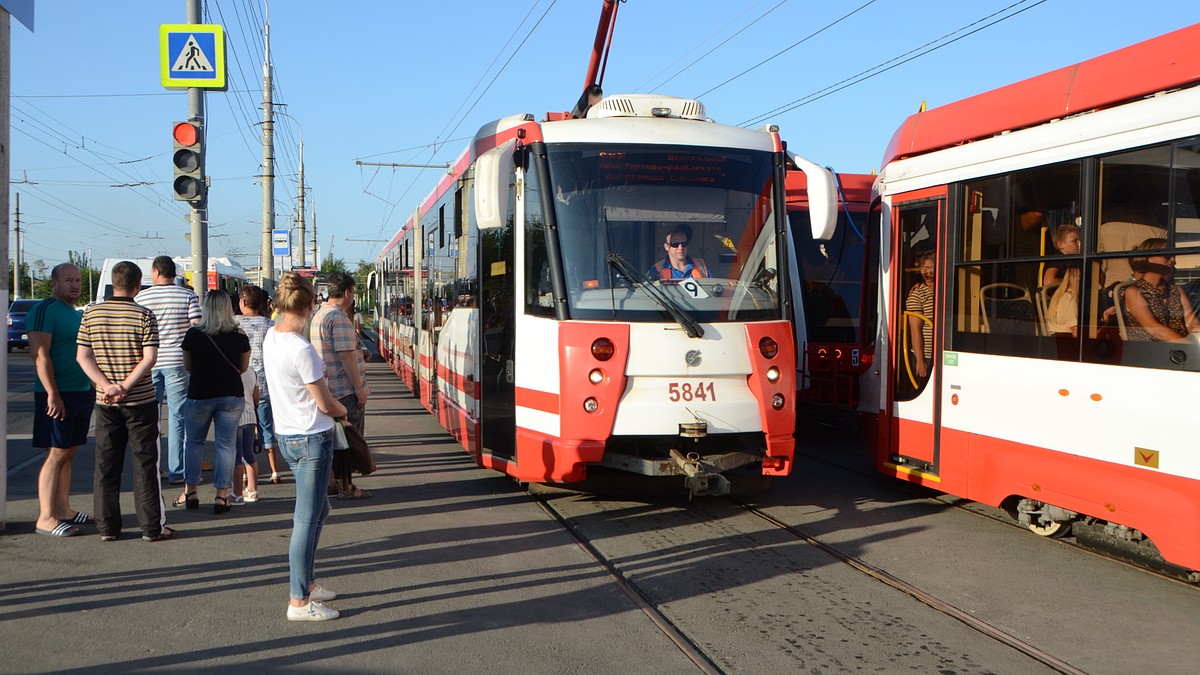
(917,221)
(497,320)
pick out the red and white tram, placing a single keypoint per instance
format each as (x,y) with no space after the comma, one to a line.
(529,301)
(1042,395)
(523,304)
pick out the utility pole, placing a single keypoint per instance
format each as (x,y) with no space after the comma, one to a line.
(266,268)
(17,256)
(199,228)
(316,257)
(300,201)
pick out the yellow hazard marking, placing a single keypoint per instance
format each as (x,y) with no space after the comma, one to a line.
(924,475)
(1144,457)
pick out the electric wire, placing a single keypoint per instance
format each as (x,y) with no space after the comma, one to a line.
(895,62)
(792,46)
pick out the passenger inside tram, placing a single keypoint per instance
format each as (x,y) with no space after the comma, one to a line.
(1062,312)
(919,306)
(1154,308)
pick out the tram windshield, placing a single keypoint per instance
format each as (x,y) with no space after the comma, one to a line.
(696,223)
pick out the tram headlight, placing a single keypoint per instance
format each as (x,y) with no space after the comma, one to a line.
(768,347)
(777,401)
(772,374)
(603,349)
(591,405)
(596,376)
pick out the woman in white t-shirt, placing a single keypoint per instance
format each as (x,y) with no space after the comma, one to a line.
(304,412)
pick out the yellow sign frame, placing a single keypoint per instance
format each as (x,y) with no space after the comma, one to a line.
(173,37)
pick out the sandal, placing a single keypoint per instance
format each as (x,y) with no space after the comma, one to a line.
(356,493)
(250,496)
(190,500)
(221,505)
(165,534)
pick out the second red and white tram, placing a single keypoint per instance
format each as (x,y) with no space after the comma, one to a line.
(527,304)
(1053,212)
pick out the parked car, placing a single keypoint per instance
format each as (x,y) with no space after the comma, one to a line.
(17,309)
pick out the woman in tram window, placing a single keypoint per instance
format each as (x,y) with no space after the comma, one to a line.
(920,301)
(1155,308)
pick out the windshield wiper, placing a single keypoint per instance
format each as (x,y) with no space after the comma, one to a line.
(693,329)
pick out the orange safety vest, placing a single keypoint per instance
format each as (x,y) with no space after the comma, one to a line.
(665,271)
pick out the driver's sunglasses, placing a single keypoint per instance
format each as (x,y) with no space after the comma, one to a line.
(676,244)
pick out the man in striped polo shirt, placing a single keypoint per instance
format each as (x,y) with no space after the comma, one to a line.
(175,308)
(118,344)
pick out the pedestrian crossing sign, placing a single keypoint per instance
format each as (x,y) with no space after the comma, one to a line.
(192,55)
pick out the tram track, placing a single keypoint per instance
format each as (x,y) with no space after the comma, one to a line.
(702,661)
(626,575)
(1002,636)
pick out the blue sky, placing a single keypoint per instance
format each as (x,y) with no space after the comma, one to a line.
(410,82)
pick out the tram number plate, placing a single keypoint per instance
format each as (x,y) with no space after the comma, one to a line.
(688,391)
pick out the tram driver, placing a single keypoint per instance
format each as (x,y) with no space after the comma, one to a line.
(678,264)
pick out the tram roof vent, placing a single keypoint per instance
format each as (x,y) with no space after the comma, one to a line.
(648,105)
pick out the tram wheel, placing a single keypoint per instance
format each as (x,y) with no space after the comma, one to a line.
(1053,530)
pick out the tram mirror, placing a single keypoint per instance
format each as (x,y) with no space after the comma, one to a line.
(822,197)
(493,170)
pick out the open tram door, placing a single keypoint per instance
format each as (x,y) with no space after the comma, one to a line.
(909,441)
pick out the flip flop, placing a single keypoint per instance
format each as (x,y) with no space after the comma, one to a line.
(63,529)
(81,518)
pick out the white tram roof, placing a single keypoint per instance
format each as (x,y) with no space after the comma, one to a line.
(653,119)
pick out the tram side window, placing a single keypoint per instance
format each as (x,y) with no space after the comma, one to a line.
(539,296)
(1018,235)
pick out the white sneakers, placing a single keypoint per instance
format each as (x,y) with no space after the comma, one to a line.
(314,610)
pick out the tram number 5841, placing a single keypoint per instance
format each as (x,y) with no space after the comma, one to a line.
(686,391)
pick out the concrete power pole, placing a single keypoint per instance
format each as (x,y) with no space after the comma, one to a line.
(300,202)
(316,254)
(199,227)
(17,253)
(267,268)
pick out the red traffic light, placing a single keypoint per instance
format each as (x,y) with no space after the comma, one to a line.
(186,133)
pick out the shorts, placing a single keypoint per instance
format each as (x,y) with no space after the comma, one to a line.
(66,433)
(266,425)
(245,444)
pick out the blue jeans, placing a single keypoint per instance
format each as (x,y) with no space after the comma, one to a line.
(266,424)
(225,412)
(171,385)
(310,457)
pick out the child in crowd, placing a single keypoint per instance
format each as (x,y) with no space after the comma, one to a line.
(246,467)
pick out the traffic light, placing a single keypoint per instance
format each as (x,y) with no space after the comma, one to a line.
(189,161)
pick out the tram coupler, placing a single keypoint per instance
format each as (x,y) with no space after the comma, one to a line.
(699,480)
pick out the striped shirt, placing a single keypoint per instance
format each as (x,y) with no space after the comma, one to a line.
(175,308)
(117,330)
(331,333)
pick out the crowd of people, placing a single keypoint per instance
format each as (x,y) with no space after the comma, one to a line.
(277,385)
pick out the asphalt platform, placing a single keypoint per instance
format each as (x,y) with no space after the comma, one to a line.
(448,568)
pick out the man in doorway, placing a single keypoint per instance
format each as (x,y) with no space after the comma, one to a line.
(175,309)
(62,400)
